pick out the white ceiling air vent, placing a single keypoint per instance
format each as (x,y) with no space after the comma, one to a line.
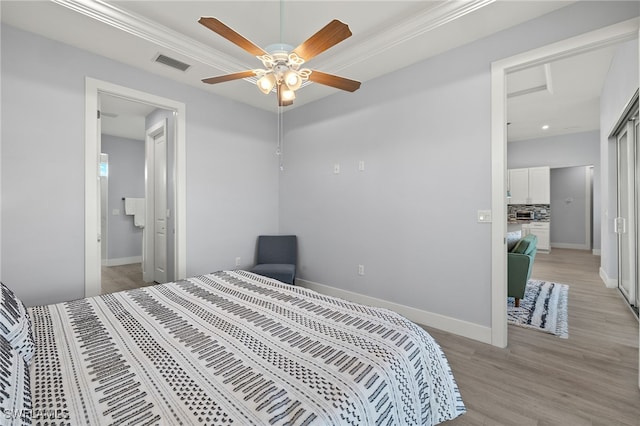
(173,63)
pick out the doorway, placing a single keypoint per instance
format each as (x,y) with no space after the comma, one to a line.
(126,128)
(93,245)
(618,33)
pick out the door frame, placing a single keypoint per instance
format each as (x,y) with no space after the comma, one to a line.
(614,34)
(93,89)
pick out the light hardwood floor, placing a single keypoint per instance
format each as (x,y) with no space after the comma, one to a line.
(591,378)
(123,277)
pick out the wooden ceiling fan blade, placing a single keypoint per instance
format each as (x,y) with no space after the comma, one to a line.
(328,36)
(334,81)
(218,27)
(229,77)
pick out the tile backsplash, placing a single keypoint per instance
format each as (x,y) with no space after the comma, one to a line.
(542,212)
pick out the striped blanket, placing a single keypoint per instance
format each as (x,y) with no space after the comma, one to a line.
(234,348)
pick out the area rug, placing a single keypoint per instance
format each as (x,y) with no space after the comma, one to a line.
(543,308)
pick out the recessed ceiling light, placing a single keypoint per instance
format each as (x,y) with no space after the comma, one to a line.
(545,126)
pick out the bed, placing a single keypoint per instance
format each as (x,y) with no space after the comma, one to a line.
(229,347)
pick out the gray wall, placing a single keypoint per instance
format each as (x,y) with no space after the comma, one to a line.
(576,149)
(569,203)
(126,179)
(620,85)
(424,134)
(410,217)
(231,176)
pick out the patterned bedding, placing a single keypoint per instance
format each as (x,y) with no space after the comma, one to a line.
(234,348)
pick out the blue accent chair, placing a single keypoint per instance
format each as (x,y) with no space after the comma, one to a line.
(277,256)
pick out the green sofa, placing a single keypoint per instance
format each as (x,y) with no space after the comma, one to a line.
(519,266)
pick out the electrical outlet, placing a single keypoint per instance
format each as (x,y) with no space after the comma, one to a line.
(237,261)
(360,269)
(361,166)
(336,168)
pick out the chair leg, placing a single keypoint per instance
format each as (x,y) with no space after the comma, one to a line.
(517,302)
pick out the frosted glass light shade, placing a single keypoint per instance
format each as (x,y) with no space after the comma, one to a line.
(287,94)
(266,83)
(293,80)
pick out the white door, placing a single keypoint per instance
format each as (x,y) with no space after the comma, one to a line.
(636,135)
(625,220)
(160,207)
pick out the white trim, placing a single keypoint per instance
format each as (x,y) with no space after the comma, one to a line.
(122,261)
(180,192)
(92,255)
(588,214)
(429,319)
(414,25)
(596,252)
(608,282)
(499,206)
(613,34)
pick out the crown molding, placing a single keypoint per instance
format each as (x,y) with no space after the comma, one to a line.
(402,31)
(154,32)
(413,26)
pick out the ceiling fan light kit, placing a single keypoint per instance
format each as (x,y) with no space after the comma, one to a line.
(282,70)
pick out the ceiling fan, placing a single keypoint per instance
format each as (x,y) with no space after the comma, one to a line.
(282,63)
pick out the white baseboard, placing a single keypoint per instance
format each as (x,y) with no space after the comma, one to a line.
(122,261)
(570,246)
(429,319)
(596,252)
(608,282)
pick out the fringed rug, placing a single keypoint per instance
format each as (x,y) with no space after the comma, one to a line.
(543,308)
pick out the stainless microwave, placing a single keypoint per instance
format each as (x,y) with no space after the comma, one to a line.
(525,215)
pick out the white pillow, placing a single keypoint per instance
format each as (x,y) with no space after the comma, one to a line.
(15,387)
(15,323)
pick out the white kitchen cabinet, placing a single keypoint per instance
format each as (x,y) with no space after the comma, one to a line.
(540,185)
(540,230)
(519,186)
(530,185)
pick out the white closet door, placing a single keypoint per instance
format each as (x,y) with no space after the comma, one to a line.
(624,222)
(160,208)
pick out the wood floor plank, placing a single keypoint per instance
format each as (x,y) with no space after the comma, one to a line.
(589,379)
(122,277)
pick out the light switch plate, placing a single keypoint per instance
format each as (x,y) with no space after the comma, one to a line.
(484,216)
